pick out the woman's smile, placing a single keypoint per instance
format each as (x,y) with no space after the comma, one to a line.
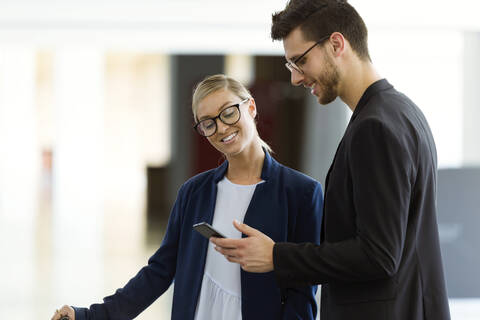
(229,138)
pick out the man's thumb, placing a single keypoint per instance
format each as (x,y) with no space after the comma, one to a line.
(245,229)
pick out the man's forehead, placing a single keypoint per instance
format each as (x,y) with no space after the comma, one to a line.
(293,44)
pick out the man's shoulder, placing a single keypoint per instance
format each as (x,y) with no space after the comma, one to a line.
(391,102)
(392,109)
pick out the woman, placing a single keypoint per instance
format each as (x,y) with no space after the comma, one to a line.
(249,186)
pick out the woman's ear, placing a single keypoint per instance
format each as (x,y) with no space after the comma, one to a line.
(252,108)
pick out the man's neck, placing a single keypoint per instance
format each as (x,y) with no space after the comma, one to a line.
(356,79)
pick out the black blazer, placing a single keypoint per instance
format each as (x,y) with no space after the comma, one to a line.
(379,256)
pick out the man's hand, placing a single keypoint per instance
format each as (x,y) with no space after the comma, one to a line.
(253,254)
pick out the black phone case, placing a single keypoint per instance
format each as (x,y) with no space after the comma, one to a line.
(207,230)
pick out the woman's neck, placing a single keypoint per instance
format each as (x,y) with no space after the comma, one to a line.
(246,167)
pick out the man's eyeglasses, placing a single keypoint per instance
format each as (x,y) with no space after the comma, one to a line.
(229,116)
(292,65)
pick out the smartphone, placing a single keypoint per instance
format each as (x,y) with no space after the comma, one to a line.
(207,230)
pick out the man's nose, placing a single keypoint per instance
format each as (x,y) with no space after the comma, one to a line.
(296,78)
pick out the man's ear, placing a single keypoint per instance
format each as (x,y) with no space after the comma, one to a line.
(337,41)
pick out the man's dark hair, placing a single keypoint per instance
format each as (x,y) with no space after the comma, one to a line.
(319,18)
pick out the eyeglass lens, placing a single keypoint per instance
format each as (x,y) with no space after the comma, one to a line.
(228,116)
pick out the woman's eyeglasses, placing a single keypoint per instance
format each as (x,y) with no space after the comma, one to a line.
(229,116)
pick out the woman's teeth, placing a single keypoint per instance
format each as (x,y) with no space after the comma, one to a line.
(230,137)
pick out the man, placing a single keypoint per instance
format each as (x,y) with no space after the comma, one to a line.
(379,257)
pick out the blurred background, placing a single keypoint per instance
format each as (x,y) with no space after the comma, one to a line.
(96,130)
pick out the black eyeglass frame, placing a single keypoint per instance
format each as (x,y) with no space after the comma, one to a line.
(219,116)
(292,65)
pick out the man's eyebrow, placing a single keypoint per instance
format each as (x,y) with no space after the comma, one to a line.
(228,103)
(291,59)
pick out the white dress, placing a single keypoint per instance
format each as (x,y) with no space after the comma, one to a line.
(220,295)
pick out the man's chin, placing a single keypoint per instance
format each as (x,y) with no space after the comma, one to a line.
(325,101)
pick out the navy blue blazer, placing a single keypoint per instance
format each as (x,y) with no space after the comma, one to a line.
(286,207)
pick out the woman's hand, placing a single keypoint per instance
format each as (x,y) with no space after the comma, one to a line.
(64,311)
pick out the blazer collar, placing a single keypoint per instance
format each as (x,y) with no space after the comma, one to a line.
(269,165)
(372,90)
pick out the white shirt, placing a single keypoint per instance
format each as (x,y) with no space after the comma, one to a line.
(221,292)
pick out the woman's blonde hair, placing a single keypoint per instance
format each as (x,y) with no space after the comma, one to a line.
(217,82)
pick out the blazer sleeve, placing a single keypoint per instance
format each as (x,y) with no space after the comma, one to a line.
(300,301)
(381,165)
(149,283)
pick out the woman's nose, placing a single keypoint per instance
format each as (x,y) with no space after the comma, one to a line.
(221,127)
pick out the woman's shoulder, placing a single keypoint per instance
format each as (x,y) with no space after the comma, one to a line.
(199,179)
(295,177)
(298,185)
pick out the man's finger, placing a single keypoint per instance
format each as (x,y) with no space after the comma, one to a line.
(226,252)
(245,229)
(234,260)
(225,243)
